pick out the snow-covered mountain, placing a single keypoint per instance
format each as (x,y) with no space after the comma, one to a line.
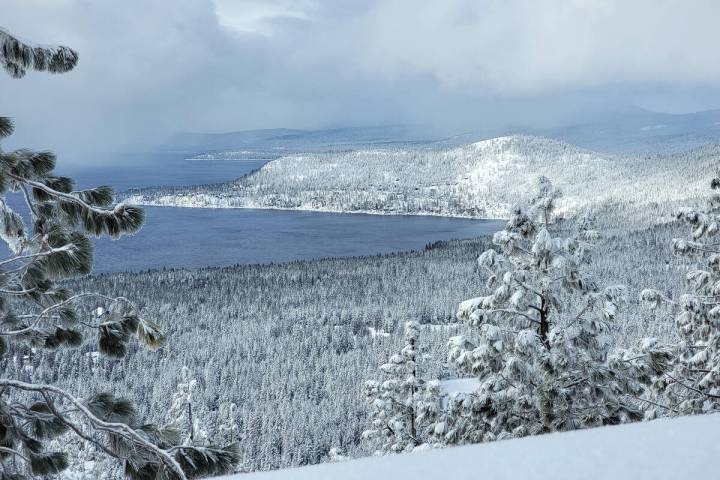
(482,179)
(680,448)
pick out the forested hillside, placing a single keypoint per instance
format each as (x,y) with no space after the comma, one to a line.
(483,179)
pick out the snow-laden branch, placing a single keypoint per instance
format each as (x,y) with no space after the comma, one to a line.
(111,427)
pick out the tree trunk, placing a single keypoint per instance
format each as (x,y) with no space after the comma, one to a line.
(544,327)
(192,424)
(412,393)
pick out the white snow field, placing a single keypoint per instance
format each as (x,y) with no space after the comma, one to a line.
(667,449)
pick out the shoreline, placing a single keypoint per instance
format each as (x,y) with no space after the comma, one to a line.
(320,210)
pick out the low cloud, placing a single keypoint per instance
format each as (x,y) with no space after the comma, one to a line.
(152,67)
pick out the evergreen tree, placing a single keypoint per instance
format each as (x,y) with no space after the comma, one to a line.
(184,419)
(684,378)
(37,311)
(401,407)
(336,455)
(228,431)
(541,351)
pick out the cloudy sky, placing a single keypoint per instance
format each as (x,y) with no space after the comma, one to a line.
(152,67)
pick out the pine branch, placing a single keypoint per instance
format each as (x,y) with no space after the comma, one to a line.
(514,312)
(17,56)
(59,305)
(10,451)
(75,428)
(65,196)
(64,248)
(710,395)
(111,427)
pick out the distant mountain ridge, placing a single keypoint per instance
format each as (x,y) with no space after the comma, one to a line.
(287,139)
(643,132)
(631,131)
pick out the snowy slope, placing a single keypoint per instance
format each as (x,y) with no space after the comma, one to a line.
(683,448)
(482,179)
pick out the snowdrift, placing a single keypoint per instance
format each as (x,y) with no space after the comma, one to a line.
(667,449)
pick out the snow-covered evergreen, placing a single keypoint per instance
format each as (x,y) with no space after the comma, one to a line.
(402,405)
(685,376)
(184,419)
(542,337)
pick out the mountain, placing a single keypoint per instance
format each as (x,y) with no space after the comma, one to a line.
(668,449)
(483,179)
(640,131)
(630,131)
(284,139)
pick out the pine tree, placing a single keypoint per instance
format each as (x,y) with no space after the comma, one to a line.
(184,419)
(228,430)
(542,344)
(336,455)
(402,408)
(684,378)
(37,311)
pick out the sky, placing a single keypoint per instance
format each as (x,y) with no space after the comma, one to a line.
(149,68)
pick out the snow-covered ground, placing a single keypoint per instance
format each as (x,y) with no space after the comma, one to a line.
(668,449)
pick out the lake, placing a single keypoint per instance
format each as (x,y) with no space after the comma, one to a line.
(198,237)
(193,237)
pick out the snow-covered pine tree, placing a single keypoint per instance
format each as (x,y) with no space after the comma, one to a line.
(402,408)
(184,420)
(336,455)
(228,431)
(685,377)
(541,345)
(35,310)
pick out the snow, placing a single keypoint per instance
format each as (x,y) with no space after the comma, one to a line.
(459,385)
(668,449)
(377,333)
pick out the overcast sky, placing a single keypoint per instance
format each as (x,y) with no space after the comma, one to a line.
(152,67)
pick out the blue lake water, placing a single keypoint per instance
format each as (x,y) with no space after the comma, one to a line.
(185,237)
(190,237)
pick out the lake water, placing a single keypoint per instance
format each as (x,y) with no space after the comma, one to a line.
(192,237)
(184,237)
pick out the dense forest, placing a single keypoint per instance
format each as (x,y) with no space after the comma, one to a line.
(291,344)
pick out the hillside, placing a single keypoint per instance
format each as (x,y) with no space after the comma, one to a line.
(482,179)
(681,448)
(307,334)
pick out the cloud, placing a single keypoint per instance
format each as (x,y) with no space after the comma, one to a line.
(519,47)
(152,67)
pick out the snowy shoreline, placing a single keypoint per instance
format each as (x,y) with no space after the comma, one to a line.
(142,203)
